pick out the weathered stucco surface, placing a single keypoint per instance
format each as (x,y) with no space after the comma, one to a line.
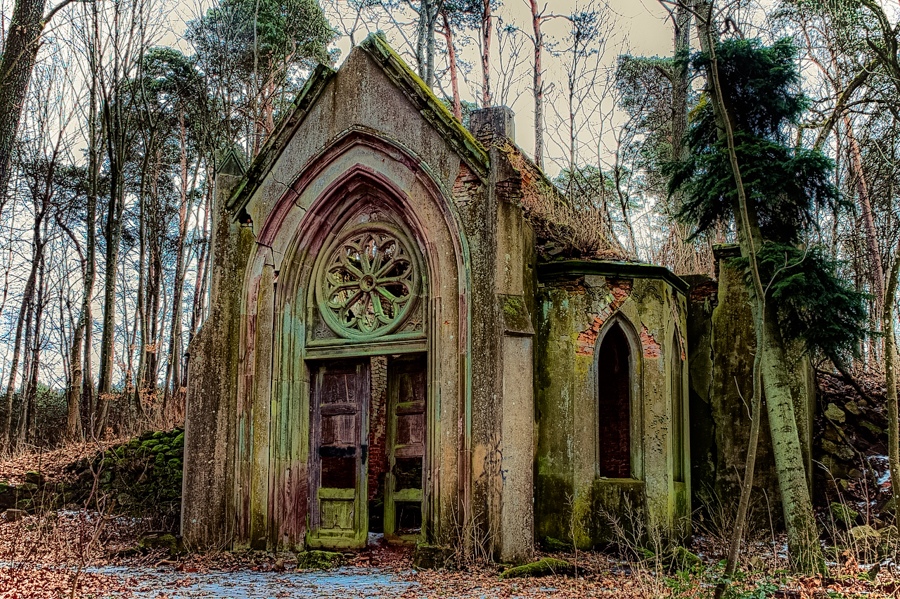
(392,153)
(209,452)
(578,305)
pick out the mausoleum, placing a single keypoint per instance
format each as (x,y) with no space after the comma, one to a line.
(388,350)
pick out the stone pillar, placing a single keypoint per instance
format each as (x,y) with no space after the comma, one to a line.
(495,122)
(510,484)
(263,324)
(207,513)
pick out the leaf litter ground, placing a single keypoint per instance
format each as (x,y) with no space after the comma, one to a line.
(92,553)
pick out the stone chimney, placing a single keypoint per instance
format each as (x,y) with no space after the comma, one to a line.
(489,124)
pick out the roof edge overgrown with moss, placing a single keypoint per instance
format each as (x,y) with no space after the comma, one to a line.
(430,107)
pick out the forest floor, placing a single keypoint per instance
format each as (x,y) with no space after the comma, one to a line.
(71,551)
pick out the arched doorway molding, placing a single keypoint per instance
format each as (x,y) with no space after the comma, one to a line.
(319,204)
(635,374)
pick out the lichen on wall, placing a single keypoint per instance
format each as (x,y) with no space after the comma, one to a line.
(574,505)
(722,344)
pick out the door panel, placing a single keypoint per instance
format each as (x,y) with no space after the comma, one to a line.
(406,449)
(338,510)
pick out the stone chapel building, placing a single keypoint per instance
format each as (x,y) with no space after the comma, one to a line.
(387,351)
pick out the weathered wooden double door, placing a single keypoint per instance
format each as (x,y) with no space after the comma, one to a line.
(341,438)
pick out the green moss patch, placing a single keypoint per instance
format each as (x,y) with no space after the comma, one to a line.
(142,476)
(547,566)
(319,560)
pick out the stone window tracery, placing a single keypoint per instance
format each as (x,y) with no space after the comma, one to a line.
(368,281)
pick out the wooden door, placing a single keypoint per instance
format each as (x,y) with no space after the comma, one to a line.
(406,449)
(338,506)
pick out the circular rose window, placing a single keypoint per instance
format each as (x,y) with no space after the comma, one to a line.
(368,281)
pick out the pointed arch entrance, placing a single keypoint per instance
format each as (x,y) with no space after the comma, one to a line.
(366,311)
(368,372)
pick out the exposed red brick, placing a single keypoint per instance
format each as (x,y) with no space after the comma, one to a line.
(620,288)
(587,339)
(704,291)
(378,464)
(651,347)
(466,182)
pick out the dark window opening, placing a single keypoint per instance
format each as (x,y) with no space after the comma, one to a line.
(614,405)
(677,414)
(338,472)
(408,473)
(409,518)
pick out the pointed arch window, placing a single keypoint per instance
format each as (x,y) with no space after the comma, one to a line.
(677,394)
(615,369)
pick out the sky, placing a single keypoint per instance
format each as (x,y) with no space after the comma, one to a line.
(633,26)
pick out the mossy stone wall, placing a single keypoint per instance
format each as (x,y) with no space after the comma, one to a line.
(722,342)
(576,306)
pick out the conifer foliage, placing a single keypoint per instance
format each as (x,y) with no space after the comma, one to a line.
(785,187)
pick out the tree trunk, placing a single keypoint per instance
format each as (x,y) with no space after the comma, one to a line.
(875,270)
(27,424)
(682,82)
(16,64)
(890,375)
(113,234)
(200,282)
(538,84)
(96,132)
(803,539)
(27,298)
(175,351)
(486,30)
(74,430)
(454,71)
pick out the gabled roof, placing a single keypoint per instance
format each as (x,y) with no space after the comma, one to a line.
(469,149)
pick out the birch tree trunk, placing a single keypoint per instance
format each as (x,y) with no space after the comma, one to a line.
(538,83)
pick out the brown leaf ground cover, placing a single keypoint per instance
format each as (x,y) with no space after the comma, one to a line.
(89,553)
(51,555)
(53,463)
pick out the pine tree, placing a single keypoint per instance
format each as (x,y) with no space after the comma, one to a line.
(771,190)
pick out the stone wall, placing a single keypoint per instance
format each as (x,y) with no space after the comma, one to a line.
(578,303)
(721,341)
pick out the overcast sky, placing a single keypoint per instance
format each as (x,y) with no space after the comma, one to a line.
(634,26)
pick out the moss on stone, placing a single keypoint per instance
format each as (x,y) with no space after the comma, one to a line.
(547,566)
(166,541)
(683,559)
(555,545)
(319,560)
(843,514)
(438,114)
(431,557)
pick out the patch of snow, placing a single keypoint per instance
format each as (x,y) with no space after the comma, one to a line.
(348,582)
